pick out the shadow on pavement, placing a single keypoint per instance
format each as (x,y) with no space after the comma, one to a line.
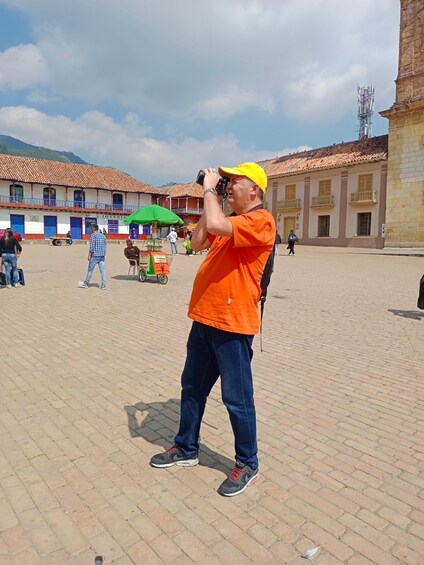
(411,314)
(157,423)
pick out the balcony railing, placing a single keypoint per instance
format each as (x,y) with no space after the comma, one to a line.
(367,197)
(74,204)
(188,210)
(289,205)
(323,201)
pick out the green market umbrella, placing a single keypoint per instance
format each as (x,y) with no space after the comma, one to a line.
(154,214)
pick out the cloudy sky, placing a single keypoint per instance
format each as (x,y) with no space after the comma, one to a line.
(162,88)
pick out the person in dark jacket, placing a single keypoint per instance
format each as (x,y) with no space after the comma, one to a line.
(10,249)
(291,240)
(278,240)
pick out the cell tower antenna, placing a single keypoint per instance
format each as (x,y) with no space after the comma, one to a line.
(365,110)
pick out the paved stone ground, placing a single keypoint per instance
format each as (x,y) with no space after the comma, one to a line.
(89,390)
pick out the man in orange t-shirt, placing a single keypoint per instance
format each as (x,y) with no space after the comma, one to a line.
(224,310)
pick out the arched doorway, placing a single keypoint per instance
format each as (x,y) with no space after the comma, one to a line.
(118,201)
(79,199)
(49,196)
(16,192)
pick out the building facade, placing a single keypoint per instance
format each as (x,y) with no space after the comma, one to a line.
(39,198)
(366,193)
(332,196)
(186,200)
(405,185)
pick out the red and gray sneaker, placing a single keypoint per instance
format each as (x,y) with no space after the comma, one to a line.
(173,456)
(241,477)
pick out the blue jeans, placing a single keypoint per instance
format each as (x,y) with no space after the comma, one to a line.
(174,249)
(100,261)
(212,353)
(10,263)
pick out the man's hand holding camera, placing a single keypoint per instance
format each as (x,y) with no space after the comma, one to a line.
(210,181)
(213,220)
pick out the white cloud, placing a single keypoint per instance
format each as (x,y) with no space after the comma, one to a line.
(126,146)
(330,93)
(22,67)
(213,59)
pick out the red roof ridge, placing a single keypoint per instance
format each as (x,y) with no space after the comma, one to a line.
(42,171)
(332,156)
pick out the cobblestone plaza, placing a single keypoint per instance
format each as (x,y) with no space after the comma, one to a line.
(90,391)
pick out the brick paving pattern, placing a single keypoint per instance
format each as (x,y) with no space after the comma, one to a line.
(89,391)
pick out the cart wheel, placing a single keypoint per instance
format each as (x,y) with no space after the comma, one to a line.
(70,242)
(163,279)
(58,242)
(142,275)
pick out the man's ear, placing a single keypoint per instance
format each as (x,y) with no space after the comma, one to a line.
(258,191)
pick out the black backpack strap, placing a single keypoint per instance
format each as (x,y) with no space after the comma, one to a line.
(269,267)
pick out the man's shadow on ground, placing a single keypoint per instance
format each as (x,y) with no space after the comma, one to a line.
(157,423)
(411,314)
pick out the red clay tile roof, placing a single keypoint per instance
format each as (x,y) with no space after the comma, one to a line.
(188,189)
(334,156)
(40,171)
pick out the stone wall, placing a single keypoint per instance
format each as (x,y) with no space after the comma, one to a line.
(405,194)
(405,178)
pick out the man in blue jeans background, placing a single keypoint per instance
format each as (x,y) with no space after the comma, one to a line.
(96,256)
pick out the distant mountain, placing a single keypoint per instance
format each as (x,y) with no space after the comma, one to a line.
(167,185)
(11,146)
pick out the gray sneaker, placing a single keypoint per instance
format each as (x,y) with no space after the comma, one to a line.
(241,477)
(83,284)
(173,456)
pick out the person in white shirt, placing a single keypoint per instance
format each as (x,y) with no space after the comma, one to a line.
(173,238)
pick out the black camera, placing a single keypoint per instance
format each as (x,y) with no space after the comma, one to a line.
(221,187)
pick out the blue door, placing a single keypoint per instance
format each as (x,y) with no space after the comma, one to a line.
(50,226)
(76,228)
(17,223)
(134,233)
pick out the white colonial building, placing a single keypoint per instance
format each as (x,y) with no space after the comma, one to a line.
(40,198)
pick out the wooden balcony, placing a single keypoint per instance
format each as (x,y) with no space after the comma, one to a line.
(323,201)
(188,210)
(288,205)
(363,198)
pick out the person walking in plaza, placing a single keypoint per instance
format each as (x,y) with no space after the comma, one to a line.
(96,256)
(291,241)
(172,237)
(224,310)
(10,250)
(278,240)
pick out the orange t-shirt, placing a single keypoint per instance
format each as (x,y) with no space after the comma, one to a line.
(227,289)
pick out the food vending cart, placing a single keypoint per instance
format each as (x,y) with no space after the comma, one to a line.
(153,261)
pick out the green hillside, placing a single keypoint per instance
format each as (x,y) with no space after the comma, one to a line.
(11,146)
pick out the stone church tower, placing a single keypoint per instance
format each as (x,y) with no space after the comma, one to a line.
(405,181)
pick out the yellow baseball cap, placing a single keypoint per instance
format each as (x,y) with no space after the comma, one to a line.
(252,171)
